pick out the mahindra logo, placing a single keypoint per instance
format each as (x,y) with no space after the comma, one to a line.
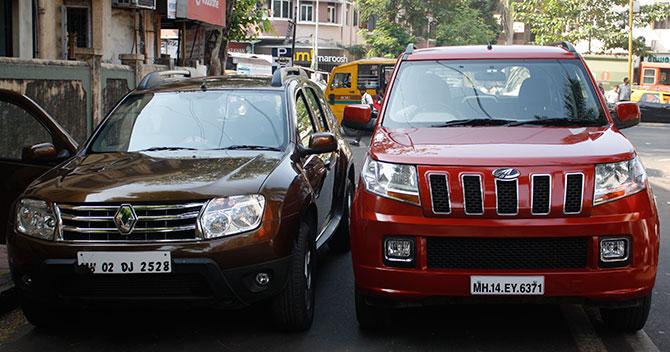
(125,219)
(210,3)
(506,174)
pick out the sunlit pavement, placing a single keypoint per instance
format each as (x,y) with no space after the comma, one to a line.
(460,328)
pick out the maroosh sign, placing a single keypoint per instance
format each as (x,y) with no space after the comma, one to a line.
(208,11)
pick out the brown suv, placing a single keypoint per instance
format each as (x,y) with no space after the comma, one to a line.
(216,191)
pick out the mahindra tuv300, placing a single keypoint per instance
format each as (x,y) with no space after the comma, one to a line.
(498,174)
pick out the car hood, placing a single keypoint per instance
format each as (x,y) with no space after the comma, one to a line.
(509,146)
(155,176)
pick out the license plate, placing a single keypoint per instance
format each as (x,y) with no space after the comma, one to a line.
(507,285)
(125,262)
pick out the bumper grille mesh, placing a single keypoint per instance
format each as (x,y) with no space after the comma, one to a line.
(507,253)
(133,286)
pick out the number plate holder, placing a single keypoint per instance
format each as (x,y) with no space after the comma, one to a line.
(507,285)
(156,262)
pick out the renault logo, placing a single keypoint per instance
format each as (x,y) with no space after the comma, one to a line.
(506,174)
(125,219)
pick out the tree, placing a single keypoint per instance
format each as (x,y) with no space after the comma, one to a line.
(245,20)
(579,20)
(449,22)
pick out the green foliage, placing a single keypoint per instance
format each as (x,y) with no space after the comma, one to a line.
(579,20)
(387,39)
(247,20)
(454,22)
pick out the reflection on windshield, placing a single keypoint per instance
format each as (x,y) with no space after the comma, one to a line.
(435,93)
(199,120)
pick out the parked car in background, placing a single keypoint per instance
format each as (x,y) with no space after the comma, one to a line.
(496,174)
(342,90)
(210,191)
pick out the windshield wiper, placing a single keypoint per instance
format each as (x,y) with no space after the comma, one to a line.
(248,147)
(557,122)
(474,122)
(155,149)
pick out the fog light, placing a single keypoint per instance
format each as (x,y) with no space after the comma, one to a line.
(399,251)
(614,249)
(262,279)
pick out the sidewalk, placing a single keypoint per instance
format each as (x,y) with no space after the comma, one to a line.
(7,294)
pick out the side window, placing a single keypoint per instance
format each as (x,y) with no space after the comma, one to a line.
(341,80)
(19,129)
(305,124)
(317,109)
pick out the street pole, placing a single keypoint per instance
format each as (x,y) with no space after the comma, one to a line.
(295,24)
(315,52)
(630,42)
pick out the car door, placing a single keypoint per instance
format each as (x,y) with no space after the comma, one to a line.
(23,123)
(314,167)
(327,196)
(341,90)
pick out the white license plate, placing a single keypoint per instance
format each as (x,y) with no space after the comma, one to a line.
(507,285)
(125,262)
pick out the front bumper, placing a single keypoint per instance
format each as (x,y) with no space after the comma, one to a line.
(201,275)
(374,218)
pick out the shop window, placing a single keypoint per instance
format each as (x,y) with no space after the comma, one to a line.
(355,20)
(332,14)
(307,12)
(282,8)
(649,76)
(665,77)
(78,24)
(346,15)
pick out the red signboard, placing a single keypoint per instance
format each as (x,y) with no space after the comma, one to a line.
(208,11)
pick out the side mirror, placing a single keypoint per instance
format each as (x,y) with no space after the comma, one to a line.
(627,114)
(320,143)
(39,152)
(357,117)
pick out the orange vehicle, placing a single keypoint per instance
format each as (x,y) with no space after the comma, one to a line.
(345,79)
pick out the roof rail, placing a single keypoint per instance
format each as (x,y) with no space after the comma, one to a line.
(281,74)
(409,50)
(155,79)
(566,45)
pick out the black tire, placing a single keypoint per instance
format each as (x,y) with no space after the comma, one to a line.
(628,319)
(293,309)
(42,315)
(341,242)
(370,317)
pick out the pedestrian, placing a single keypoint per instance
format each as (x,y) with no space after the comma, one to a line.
(601,87)
(624,90)
(366,98)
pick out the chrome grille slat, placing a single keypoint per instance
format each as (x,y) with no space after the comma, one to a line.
(155,222)
(473,194)
(507,197)
(574,193)
(136,230)
(439,193)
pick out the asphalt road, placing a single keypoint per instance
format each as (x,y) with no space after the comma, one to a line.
(457,328)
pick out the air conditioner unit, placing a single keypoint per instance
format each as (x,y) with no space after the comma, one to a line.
(135,4)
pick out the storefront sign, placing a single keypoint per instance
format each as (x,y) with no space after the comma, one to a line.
(281,57)
(172,9)
(208,11)
(238,47)
(659,59)
(305,57)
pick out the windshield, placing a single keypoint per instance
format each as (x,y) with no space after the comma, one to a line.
(435,93)
(216,119)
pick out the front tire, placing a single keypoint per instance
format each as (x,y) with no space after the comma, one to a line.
(370,317)
(627,319)
(341,242)
(293,309)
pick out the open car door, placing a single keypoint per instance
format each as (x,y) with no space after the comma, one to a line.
(31,142)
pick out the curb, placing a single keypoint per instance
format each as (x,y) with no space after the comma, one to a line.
(8,297)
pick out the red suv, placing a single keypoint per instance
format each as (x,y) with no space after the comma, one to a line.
(498,174)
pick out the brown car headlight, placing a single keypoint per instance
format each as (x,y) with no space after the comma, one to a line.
(231,215)
(35,218)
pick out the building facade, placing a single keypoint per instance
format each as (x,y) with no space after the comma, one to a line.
(338,31)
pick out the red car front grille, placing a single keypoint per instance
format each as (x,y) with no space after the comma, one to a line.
(537,191)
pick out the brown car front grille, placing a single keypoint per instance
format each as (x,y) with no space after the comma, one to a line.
(155,222)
